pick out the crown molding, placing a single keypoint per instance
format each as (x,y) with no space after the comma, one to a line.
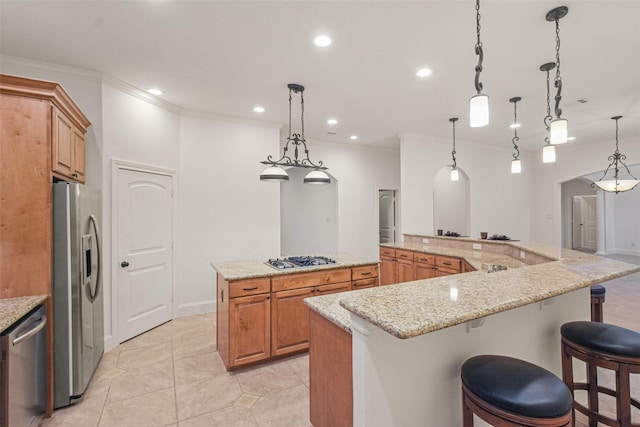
(140,94)
(229,119)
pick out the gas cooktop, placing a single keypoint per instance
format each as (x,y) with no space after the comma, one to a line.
(299,262)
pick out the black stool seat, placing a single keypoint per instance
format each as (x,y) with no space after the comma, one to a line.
(517,386)
(603,337)
(598,290)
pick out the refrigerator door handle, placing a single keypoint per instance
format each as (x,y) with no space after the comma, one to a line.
(94,223)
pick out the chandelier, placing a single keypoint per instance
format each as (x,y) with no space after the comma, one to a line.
(275,172)
(454,166)
(558,127)
(616,185)
(548,151)
(479,103)
(516,164)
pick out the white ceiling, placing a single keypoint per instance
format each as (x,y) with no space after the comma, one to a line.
(227,57)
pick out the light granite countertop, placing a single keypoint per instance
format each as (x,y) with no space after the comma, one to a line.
(411,309)
(13,309)
(252,269)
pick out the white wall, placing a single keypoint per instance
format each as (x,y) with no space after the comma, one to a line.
(575,187)
(573,161)
(360,172)
(451,202)
(226,212)
(308,215)
(627,221)
(500,201)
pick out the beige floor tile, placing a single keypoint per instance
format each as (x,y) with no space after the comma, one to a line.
(247,401)
(196,368)
(264,379)
(131,359)
(85,413)
(152,410)
(196,329)
(142,380)
(204,396)
(300,365)
(159,335)
(232,416)
(187,347)
(289,407)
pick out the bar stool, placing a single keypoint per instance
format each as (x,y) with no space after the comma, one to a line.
(605,346)
(597,301)
(504,391)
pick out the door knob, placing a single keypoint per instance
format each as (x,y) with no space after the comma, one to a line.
(124,264)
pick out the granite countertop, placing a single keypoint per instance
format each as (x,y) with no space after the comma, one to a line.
(411,309)
(13,309)
(480,260)
(252,269)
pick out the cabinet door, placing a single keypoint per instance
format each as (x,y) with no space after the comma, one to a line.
(406,271)
(424,271)
(388,272)
(443,271)
(333,289)
(78,163)
(290,321)
(62,150)
(249,331)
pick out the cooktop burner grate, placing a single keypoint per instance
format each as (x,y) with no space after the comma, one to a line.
(300,261)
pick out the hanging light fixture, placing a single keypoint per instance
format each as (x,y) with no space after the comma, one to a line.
(558,126)
(516,164)
(454,167)
(548,151)
(479,103)
(616,185)
(275,173)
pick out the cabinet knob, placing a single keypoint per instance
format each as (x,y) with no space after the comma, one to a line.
(74,175)
(124,264)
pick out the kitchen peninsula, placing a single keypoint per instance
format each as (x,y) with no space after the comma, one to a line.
(408,341)
(260,309)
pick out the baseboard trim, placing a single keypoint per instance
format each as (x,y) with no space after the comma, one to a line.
(626,252)
(192,308)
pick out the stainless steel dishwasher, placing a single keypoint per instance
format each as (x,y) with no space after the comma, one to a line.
(23,378)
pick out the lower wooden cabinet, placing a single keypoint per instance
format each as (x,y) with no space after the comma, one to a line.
(425,271)
(249,329)
(406,265)
(290,321)
(388,272)
(406,271)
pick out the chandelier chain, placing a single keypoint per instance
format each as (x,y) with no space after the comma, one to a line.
(548,117)
(453,152)
(302,113)
(515,138)
(478,43)
(558,50)
(289,114)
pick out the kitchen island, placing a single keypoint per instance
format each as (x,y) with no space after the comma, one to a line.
(409,340)
(260,310)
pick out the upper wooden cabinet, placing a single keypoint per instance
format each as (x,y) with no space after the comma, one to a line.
(63,123)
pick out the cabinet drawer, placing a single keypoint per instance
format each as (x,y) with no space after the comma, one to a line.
(243,288)
(364,283)
(388,252)
(365,272)
(447,262)
(333,288)
(304,280)
(444,271)
(424,258)
(404,254)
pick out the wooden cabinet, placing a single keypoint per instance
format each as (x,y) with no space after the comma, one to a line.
(388,269)
(406,270)
(67,148)
(290,321)
(403,265)
(333,289)
(364,283)
(27,119)
(466,267)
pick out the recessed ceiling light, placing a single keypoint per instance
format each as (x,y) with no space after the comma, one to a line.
(332,122)
(322,41)
(354,137)
(423,72)
(514,125)
(155,91)
(571,138)
(258,109)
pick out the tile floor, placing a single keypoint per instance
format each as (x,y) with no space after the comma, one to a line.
(173,376)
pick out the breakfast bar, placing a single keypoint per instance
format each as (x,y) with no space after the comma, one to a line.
(409,340)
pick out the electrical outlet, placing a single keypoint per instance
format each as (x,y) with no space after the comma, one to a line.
(522,254)
(425,241)
(477,246)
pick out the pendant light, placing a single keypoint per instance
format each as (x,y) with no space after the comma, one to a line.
(548,151)
(516,164)
(479,103)
(454,168)
(616,185)
(558,126)
(275,173)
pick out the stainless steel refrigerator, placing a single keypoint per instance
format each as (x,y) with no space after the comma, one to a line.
(78,322)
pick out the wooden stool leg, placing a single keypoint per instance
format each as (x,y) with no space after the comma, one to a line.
(623,403)
(567,377)
(467,415)
(592,378)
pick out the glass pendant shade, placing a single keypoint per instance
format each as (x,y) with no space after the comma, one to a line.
(548,154)
(317,177)
(274,174)
(479,110)
(558,131)
(516,166)
(617,185)
(454,175)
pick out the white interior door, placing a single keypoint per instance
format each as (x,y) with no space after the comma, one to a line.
(576,223)
(589,221)
(387,214)
(145,254)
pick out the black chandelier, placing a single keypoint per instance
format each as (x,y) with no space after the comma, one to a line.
(478,103)
(558,126)
(548,151)
(516,164)
(454,167)
(616,185)
(275,173)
